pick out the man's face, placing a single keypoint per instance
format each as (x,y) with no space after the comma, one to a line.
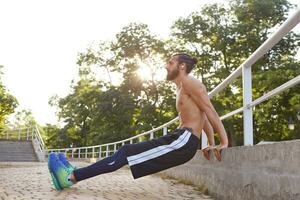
(172,69)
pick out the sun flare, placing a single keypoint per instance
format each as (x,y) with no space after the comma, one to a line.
(146,73)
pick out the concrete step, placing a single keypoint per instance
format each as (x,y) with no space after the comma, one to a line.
(12,146)
(16,154)
(6,144)
(18,159)
(20,142)
(17,151)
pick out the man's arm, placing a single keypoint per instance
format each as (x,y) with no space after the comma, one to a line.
(209,131)
(199,94)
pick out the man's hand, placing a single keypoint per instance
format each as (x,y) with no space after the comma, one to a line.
(206,152)
(218,151)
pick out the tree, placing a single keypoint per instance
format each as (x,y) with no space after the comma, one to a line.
(223,37)
(275,68)
(53,137)
(76,109)
(23,119)
(220,36)
(97,111)
(8,103)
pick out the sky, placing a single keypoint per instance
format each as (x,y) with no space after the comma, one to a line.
(40,40)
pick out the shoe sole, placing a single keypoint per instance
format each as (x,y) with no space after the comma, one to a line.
(54,179)
(55,182)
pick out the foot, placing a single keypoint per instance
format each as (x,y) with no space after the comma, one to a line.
(52,156)
(59,172)
(63,159)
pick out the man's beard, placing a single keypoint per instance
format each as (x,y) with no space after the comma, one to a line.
(172,74)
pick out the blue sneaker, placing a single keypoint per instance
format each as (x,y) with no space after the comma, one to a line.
(63,159)
(59,173)
(51,157)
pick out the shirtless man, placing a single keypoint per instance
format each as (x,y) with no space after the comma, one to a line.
(196,113)
(193,104)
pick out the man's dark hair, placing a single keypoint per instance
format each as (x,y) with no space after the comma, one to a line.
(187,59)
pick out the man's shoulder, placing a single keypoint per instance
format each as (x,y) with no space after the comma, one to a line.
(190,80)
(191,83)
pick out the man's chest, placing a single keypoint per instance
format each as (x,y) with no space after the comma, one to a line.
(182,99)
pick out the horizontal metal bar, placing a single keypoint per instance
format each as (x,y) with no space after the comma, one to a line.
(277,35)
(226,82)
(288,25)
(270,94)
(232,113)
(276,91)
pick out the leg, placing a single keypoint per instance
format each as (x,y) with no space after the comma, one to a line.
(105,165)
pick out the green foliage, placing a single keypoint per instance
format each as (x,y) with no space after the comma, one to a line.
(23,119)
(97,111)
(8,103)
(54,137)
(221,37)
(224,37)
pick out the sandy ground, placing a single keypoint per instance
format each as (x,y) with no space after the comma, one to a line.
(32,181)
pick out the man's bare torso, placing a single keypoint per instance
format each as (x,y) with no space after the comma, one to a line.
(189,114)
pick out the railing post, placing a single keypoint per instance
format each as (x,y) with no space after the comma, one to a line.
(106,150)
(247,99)
(27,133)
(131,141)
(19,136)
(140,139)
(93,151)
(72,153)
(78,153)
(204,140)
(86,154)
(151,136)
(165,130)
(115,148)
(100,152)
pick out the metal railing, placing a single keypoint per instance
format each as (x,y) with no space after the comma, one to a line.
(17,134)
(38,139)
(104,150)
(30,134)
(244,69)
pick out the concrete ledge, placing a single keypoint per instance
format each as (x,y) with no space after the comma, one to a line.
(268,171)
